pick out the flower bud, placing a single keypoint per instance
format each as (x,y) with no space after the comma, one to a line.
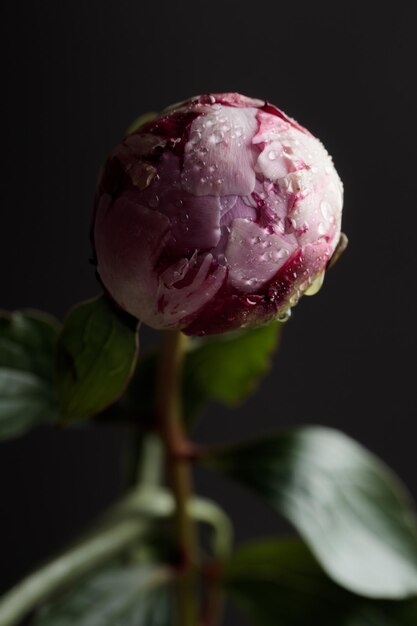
(216,215)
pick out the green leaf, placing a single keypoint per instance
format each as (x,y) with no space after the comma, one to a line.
(228,367)
(97,354)
(279,583)
(129,595)
(225,368)
(27,359)
(350,509)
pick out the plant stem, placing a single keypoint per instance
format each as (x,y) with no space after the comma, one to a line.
(150,469)
(168,404)
(67,568)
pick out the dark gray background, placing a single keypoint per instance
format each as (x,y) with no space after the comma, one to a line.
(75,75)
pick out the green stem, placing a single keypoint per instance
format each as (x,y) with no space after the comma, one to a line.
(150,469)
(65,569)
(168,404)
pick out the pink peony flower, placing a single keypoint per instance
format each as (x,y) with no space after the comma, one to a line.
(216,215)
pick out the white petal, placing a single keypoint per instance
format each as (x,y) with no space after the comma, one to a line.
(254,255)
(178,303)
(219,158)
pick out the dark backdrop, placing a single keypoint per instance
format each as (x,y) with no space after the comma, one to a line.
(75,75)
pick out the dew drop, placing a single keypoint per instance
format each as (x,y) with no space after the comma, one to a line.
(195,137)
(284,316)
(304,285)
(315,285)
(216,137)
(294,298)
(325,209)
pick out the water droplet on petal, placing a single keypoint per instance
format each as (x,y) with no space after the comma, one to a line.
(195,137)
(216,137)
(315,285)
(326,210)
(284,316)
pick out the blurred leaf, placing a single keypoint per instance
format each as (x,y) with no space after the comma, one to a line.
(27,358)
(278,583)
(115,596)
(97,354)
(351,510)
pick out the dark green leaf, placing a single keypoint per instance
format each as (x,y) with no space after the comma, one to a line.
(278,583)
(116,596)
(351,510)
(224,368)
(27,359)
(97,353)
(227,367)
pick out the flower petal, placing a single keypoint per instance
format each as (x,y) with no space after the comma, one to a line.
(129,239)
(254,255)
(178,302)
(219,158)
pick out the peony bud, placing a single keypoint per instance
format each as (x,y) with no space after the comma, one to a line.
(218,214)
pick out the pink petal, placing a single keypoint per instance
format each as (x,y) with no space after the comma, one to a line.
(254,255)
(272,162)
(129,239)
(269,127)
(219,158)
(195,223)
(240,209)
(176,303)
